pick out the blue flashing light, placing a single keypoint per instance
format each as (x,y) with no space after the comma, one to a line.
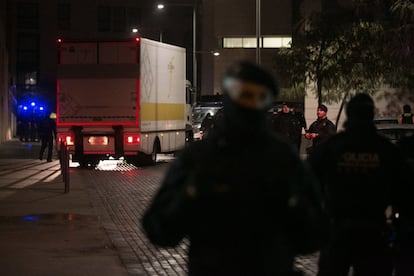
(41,108)
(31,218)
(24,107)
(33,104)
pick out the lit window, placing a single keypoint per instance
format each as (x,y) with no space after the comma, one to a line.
(232,42)
(251,42)
(272,42)
(277,42)
(30,78)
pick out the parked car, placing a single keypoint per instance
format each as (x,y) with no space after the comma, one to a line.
(385,120)
(199,113)
(395,132)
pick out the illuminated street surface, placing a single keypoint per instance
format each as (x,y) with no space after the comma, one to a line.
(17,174)
(119,193)
(121,165)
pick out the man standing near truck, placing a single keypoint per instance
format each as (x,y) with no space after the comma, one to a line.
(47,133)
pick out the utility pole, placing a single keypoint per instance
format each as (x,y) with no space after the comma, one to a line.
(258,31)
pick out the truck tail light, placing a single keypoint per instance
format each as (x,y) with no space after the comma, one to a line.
(67,139)
(98,140)
(132,139)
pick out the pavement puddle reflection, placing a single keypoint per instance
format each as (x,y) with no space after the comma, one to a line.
(57,218)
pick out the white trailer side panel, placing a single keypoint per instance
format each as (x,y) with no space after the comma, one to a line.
(162,86)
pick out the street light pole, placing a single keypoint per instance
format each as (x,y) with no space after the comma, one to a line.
(258,29)
(194,48)
(161,6)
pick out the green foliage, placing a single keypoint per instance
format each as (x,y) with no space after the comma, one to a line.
(343,52)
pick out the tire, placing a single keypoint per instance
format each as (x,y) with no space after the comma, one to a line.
(134,160)
(149,159)
(88,163)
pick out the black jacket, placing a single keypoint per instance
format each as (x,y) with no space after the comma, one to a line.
(324,128)
(288,126)
(236,196)
(361,173)
(47,128)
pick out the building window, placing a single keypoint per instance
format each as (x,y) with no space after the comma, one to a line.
(232,42)
(251,42)
(63,16)
(30,78)
(104,19)
(119,19)
(277,42)
(133,17)
(27,50)
(28,15)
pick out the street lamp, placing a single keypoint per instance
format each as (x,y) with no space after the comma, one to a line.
(136,31)
(161,6)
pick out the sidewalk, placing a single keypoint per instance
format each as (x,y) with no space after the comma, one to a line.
(44,231)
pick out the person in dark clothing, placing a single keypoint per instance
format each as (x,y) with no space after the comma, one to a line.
(406,117)
(406,144)
(303,125)
(33,130)
(207,124)
(405,243)
(239,196)
(320,130)
(24,130)
(47,133)
(288,126)
(361,174)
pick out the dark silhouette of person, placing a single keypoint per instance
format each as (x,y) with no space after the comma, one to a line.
(24,129)
(321,129)
(405,241)
(287,125)
(240,195)
(33,130)
(47,133)
(361,173)
(303,125)
(406,117)
(207,124)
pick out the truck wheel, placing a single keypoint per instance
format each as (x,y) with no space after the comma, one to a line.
(88,163)
(83,164)
(149,159)
(189,137)
(134,160)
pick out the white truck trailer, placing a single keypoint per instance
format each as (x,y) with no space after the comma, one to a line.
(121,99)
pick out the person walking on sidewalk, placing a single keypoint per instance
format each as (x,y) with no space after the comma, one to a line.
(243,202)
(47,133)
(361,174)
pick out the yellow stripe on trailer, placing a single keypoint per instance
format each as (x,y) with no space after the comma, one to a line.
(162,112)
